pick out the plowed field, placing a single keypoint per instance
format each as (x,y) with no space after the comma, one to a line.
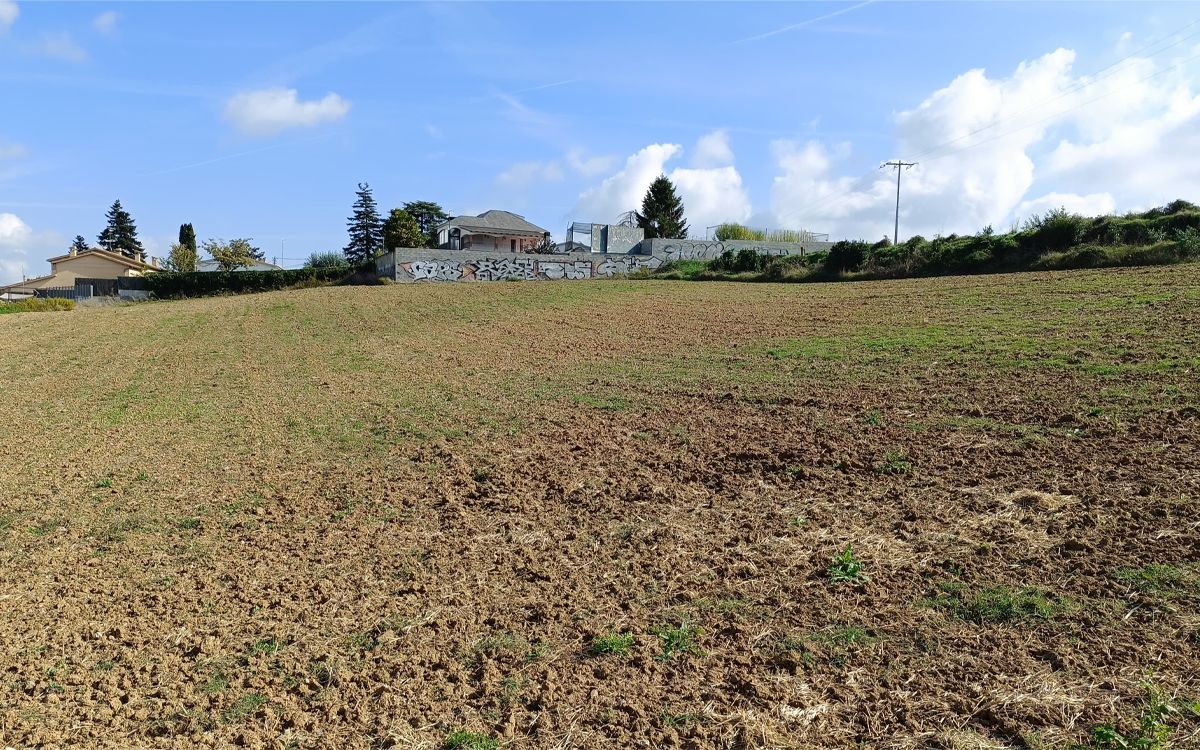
(945,513)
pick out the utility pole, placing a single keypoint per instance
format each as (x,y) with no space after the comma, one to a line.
(897,164)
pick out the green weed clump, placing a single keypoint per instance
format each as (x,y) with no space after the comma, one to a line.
(1151,731)
(846,568)
(1158,578)
(678,640)
(612,643)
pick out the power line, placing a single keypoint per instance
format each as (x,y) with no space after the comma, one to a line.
(899,165)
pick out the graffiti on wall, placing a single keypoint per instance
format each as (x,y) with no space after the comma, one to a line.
(521,268)
(575,269)
(626,265)
(434,270)
(693,250)
(696,250)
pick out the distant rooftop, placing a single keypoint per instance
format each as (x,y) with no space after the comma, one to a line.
(496,221)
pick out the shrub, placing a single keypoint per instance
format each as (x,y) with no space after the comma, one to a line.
(1056,231)
(327,260)
(201,284)
(846,255)
(37,304)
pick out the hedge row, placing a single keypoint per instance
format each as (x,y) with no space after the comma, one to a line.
(166,285)
(37,304)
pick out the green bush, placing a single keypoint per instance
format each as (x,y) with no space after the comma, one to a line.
(200,284)
(327,260)
(37,304)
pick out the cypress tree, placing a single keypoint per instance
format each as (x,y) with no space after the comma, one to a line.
(120,235)
(365,228)
(187,237)
(80,245)
(662,211)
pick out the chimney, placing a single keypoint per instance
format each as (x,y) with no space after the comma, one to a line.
(73,252)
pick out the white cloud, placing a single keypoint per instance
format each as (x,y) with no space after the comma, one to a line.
(106,22)
(22,249)
(59,45)
(713,150)
(269,111)
(1094,204)
(8,14)
(623,191)
(523,174)
(10,150)
(986,143)
(710,195)
(589,166)
(433,130)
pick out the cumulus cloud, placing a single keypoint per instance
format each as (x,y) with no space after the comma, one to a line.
(59,45)
(713,150)
(106,22)
(23,250)
(526,173)
(711,195)
(270,111)
(986,143)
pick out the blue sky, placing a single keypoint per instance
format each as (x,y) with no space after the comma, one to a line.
(258,119)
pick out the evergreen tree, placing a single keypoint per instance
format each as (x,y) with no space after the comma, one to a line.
(80,245)
(120,235)
(187,237)
(662,211)
(402,230)
(428,216)
(365,228)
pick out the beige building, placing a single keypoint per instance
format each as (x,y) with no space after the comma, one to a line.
(65,269)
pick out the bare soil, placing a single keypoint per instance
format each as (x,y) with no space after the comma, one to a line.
(374,517)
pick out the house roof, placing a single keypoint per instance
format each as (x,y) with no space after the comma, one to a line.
(114,257)
(495,221)
(258,265)
(19,284)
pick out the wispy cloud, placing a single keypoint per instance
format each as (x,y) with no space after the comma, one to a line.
(59,45)
(433,130)
(8,14)
(238,155)
(800,25)
(106,22)
(10,150)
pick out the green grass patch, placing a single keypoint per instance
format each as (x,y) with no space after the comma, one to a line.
(244,708)
(612,643)
(464,740)
(1158,578)
(677,640)
(996,604)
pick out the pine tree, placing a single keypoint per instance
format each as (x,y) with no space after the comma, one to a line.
(662,211)
(80,245)
(365,229)
(120,236)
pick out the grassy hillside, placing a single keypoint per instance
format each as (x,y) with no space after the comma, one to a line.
(1056,240)
(953,512)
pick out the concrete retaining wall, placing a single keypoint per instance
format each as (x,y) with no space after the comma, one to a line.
(465,265)
(705,249)
(419,264)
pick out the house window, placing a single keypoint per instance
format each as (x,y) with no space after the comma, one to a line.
(512,245)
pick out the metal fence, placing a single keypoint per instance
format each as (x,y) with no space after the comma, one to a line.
(88,288)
